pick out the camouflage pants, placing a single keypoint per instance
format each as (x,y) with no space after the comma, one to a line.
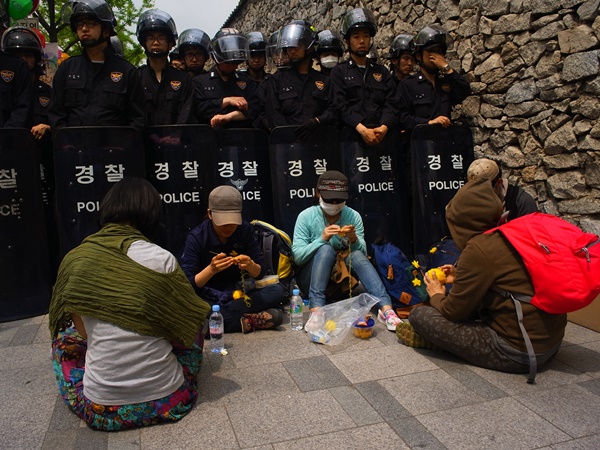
(473,341)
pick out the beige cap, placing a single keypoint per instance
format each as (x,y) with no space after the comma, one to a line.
(482,169)
(225,204)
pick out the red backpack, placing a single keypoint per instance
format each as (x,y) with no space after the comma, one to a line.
(563,263)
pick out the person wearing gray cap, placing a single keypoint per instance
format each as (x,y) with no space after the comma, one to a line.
(328,231)
(219,254)
(515,200)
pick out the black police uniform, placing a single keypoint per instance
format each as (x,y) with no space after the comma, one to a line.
(15,93)
(170,101)
(294,98)
(421,102)
(210,90)
(97,94)
(42,93)
(364,95)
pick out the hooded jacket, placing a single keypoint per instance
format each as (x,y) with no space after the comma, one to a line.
(490,260)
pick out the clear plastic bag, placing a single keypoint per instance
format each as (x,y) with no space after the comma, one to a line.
(331,323)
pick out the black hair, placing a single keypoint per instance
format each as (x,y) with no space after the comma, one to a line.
(135,202)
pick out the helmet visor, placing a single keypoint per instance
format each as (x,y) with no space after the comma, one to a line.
(293,35)
(232,49)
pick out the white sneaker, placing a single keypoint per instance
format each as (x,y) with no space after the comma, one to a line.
(390,319)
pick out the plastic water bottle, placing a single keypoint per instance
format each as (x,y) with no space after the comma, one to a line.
(296,316)
(215,322)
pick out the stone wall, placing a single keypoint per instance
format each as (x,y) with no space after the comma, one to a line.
(534,68)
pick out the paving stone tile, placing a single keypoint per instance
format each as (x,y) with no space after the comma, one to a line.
(207,426)
(583,357)
(314,374)
(43,335)
(287,417)
(20,323)
(24,422)
(415,434)
(593,386)
(379,363)
(16,384)
(576,334)
(381,400)
(7,335)
(249,383)
(26,356)
(584,443)
(576,410)
(431,391)
(497,424)
(370,436)
(64,440)
(63,419)
(266,347)
(125,440)
(24,335)
(91,439)
(514,384)
(474,382)
(355,405)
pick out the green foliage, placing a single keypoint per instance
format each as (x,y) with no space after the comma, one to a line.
(125,11)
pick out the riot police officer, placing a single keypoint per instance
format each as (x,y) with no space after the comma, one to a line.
(330,49)
(194,48)
(222,96)
(97,87)
(402,61)
(364,93)
(257,45)
(299,95)
(428,96)
(27,45)
(168,91)
(15,86)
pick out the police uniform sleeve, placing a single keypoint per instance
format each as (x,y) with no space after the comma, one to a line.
(389,113)
(252,97)
(339,102)
(406,114)
(261,117)
(21,115)
(461,88)
(328,116)
(136,102)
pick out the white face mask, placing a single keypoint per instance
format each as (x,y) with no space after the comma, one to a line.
(329,61)
(331,209)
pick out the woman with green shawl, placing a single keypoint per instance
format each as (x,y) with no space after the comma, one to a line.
(126,324)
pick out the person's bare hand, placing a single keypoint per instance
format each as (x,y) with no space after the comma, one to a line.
(329,232)
(239,103)
(440,120)
(433,285)
(221,262)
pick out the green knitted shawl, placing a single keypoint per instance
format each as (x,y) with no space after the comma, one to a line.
(98,279)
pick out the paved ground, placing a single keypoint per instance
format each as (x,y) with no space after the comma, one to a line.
(277,390)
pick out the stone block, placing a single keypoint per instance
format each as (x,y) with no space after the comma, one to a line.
(577,39)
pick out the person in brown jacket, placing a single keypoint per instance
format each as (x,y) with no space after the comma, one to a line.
(472,321)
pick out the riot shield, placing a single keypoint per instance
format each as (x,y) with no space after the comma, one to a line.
(88,161)
(179,159)
(295,169)
(440,158)
(24,267)
(242,160)
(378,187)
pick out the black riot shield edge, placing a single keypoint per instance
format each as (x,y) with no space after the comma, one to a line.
(295,169)
(88,161)
(24,264)
(440,158)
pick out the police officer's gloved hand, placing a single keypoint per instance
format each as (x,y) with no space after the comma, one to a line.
(305,130)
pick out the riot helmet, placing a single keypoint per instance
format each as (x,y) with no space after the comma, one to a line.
(295,33)
(358,18)
(229,46)
(256,42)
(430,36)
(117,45)
(330,41)
(22,39)
(276,57)
(155,20)
(193,38)
(98,10)
(403,43)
